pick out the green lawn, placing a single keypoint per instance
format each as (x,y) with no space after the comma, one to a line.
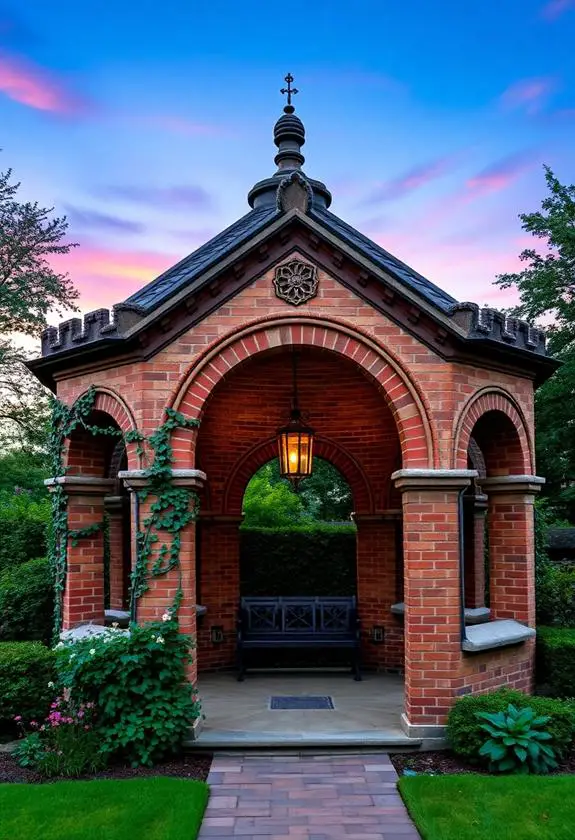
(499,808)
(106,809)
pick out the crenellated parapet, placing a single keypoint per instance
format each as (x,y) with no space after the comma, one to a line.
(484,322)
(94,326)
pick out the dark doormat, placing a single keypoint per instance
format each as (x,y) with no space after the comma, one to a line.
(295,703)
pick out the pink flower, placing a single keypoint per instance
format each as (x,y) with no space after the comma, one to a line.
(86,728)
(33,723)
(80,714)
(18,718)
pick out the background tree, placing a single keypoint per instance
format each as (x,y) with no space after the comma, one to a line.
(546,289)
(271,502)
(29,290)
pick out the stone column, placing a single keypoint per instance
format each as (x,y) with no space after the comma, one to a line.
(163,589)
(83,596)
(475,509)
(433,603)
(511,526)
(377,589)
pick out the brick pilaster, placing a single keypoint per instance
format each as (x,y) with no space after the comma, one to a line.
(431,547)
(163,589)
(83,597)
(377,588)
(512,546)
(475,509)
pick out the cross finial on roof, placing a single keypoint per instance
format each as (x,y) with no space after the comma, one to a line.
(289,108)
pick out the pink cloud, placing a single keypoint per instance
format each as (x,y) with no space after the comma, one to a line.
(34,86)
(555,8)
(498,176)
(411,180)
(529,94)
(105,276)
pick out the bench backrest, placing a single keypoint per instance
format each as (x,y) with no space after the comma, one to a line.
(263,616)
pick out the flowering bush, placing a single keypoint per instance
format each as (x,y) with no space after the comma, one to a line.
(137,680)
(65,744)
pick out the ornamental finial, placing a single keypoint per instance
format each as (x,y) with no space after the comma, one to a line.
(289,108)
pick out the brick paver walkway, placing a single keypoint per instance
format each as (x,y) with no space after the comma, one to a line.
(313,797)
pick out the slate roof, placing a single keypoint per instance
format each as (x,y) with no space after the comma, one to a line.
(188,269)
(384,259)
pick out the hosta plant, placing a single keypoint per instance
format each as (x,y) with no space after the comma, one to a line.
(518,742)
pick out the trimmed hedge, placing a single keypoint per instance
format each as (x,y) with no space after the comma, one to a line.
(306,560)
(466,736)
(26,668)
(23,529)
(556,660)
(27,602)
(555,596)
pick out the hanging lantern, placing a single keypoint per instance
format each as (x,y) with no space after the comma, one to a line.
(295,441)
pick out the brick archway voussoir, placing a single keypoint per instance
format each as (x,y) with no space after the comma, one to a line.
(400,391)
(479,404)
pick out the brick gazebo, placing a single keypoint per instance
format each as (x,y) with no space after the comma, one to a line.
(424,404)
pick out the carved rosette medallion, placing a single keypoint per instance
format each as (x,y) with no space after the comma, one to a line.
(296,282)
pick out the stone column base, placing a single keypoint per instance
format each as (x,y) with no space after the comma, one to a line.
(424,731)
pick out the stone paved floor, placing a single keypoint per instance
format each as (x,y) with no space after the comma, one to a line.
(317,797)
(374,704)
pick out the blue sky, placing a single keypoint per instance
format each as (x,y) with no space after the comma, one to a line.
(148,123)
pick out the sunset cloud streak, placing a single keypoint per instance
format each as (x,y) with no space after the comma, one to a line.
(30,85)
(529,94)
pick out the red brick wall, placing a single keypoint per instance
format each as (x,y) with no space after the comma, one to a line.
(433,404)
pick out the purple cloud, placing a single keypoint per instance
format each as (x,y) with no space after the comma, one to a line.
(529,94)
(555,8)
(499,175)
(411,180)
(190,196)
(38,88)
(93,220)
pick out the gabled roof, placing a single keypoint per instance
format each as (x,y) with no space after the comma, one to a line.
(290,204)
(192,266)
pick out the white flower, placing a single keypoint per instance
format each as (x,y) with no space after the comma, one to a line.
(153,638)
(60,645)
(72,655)
(115,625)
(166,617)
(160,640)
(50,684)
(92,651)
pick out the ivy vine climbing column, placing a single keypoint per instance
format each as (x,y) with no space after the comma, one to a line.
(83,595)
(165,507)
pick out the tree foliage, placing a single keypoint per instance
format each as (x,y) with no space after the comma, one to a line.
(546,289)
(29,289)
(270,501)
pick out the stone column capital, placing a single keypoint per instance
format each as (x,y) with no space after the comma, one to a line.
(390,515)
(512,485)
(139,479)
(81,485)
(440,480)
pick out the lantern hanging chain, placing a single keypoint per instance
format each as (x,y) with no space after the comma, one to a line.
(295,401)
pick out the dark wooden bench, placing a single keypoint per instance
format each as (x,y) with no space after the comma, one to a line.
(306,622)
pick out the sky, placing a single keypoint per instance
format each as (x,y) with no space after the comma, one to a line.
(146,124)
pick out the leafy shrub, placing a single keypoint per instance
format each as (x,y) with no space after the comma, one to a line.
(23,528)
(556,596)
(137,680)
(303,560)
(517,741)
(556,660)
(466,737)
(65,744)
(26,668)
(26,602)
